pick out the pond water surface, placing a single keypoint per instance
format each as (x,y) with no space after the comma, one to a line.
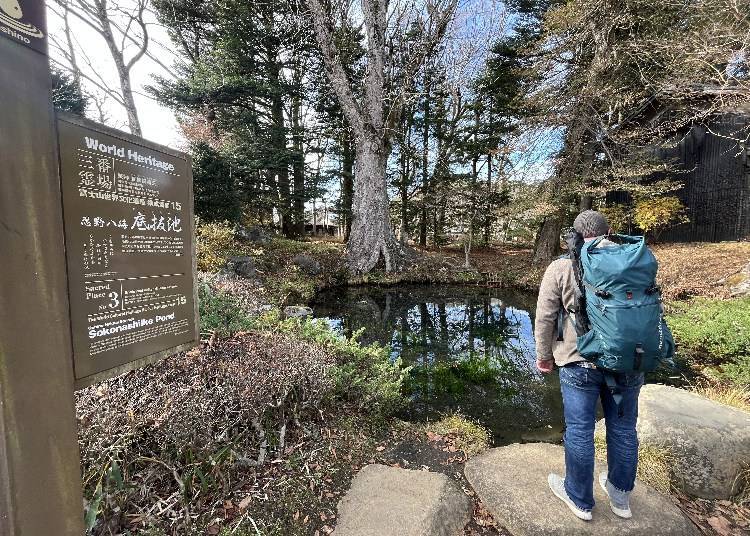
(471,350)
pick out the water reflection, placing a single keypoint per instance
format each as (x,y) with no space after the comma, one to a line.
(471,350)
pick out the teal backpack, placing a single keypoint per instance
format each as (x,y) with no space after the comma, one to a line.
(619,318)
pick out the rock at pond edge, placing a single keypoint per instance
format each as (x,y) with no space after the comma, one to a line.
(243,266)
(389,501)
(307,264)
(709,441)
(297,311)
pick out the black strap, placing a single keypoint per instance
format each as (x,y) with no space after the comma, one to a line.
(575,243)
(614,389)
(562,313)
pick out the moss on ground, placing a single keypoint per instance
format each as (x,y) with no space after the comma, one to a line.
(462,433)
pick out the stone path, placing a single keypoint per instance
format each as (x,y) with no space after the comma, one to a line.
(512,484)
(388,501)
(710,442)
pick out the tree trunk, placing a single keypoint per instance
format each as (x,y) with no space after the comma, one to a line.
(548,241)
(298,168)
(280,167)
(488,220)
(404,193)
(372,235)
(347,190)
(425,161)
(123,72)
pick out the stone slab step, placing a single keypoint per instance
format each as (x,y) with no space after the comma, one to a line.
(512,483)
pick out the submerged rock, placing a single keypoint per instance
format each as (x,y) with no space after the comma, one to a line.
(512,484)
(388,501)
(297,311)
(710,441)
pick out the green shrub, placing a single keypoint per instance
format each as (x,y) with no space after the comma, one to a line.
(363,375)
(715,332)
(220,313)
(720,328)
(736,372)
(464,433)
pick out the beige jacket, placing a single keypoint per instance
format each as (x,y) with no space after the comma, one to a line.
(557,290)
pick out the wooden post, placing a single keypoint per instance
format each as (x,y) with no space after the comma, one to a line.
(40,477)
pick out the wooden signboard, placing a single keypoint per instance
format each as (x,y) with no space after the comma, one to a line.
(128,218)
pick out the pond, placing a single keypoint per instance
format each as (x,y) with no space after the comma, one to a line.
(471,350)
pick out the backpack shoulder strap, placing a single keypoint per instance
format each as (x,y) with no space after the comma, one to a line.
(575,243)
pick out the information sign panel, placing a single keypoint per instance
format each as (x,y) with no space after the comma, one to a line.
(128,218)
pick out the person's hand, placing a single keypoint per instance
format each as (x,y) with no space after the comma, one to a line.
(545,367)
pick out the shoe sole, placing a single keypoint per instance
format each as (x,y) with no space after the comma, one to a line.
(578,513)
(624,514)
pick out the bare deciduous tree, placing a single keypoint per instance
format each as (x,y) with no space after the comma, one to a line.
(374,110)
(124,29)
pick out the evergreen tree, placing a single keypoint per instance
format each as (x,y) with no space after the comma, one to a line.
(66,94)
(247,81)
(214,186)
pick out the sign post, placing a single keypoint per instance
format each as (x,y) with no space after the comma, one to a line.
(97,274)
(40,479)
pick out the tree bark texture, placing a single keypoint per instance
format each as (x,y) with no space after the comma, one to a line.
(372,236)
(347,190)
(548,241)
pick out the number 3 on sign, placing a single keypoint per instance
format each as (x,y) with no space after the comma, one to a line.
(115,297)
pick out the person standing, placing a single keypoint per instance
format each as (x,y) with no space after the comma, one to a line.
(582,385)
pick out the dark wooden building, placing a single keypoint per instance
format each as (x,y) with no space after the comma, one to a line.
(715,161)
(712,162)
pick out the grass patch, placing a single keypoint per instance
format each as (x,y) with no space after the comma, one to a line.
(743,497)
(729,395)
(720,328)
(715,335)
(654,464)
(463,433)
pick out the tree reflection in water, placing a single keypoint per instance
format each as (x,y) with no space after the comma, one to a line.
(470,349)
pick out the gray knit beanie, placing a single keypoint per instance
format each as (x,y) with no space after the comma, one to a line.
(591,223)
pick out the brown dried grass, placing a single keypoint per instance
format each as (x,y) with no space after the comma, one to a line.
(180,431)
(700,269)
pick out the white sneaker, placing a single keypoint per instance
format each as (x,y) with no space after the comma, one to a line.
(622,510)
(557,485)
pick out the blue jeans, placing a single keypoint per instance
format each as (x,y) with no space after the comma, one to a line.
(581,388)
